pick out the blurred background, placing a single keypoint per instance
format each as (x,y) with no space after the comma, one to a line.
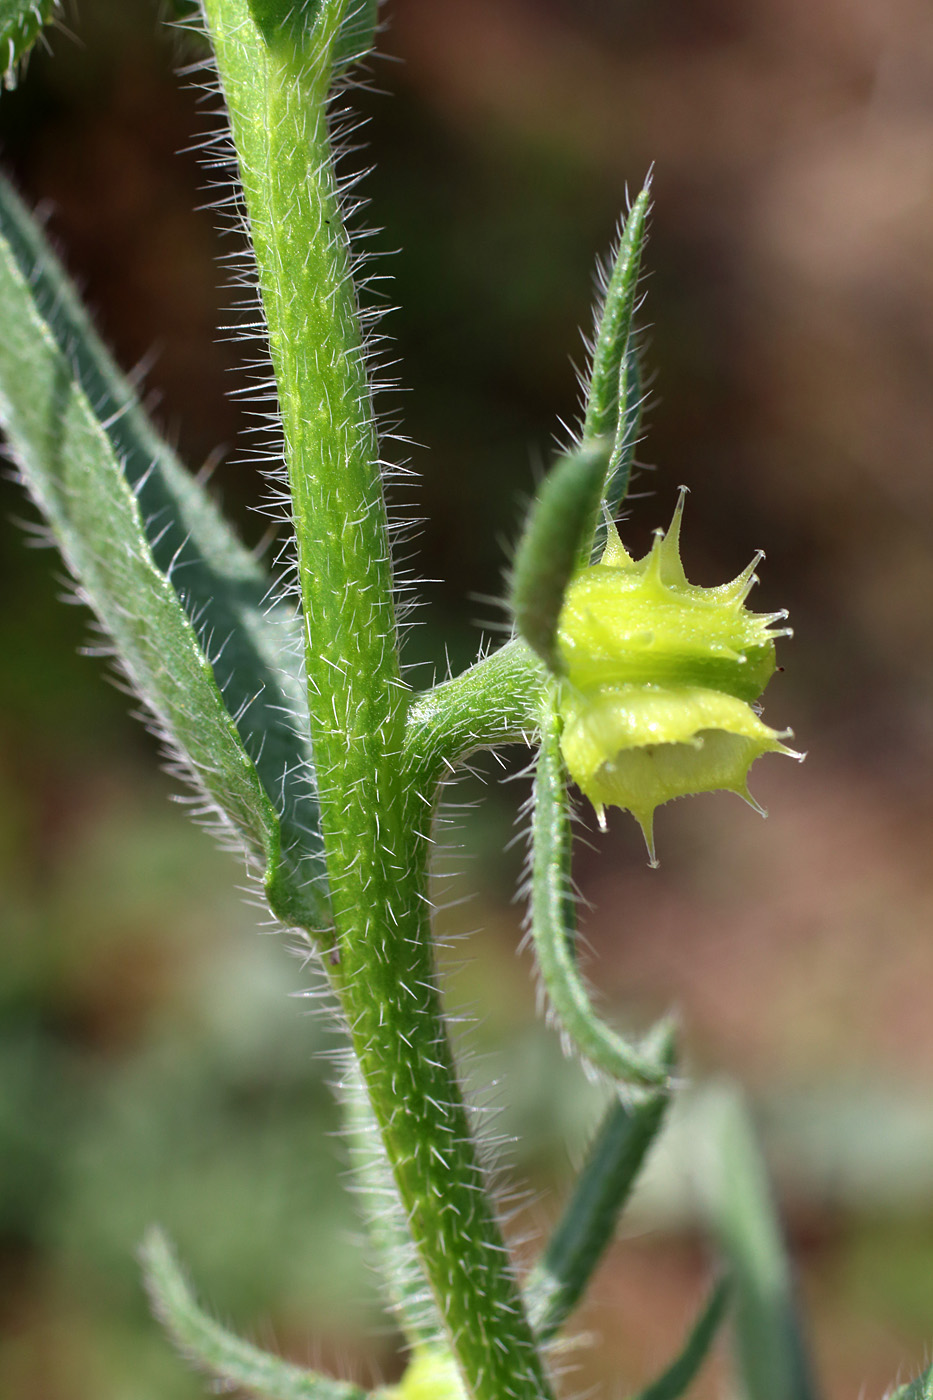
(154,1062)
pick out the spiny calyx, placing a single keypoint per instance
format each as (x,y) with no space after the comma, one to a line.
(659,678)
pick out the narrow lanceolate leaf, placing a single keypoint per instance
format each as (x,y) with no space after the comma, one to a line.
(631,402)
(614,395)
(614,327)
(770,1351)
(680,1375)
(557,534)
(586,1228)
(69,466)
(920,1388)
(215,1349)
(224,590)
(21,23)
(553,929)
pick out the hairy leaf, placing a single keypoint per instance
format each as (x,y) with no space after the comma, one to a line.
(71,469)
(614,326)
(631,402)
(225,591)
(614,394)
(218,1351)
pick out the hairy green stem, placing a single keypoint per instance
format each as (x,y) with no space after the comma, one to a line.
(553,927)
(389,1235)
(496,701)
(375,828)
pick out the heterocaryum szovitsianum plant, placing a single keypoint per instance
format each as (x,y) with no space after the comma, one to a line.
(284,706)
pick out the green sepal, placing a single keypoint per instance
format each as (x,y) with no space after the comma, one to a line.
(558,529)
(627,621)
(216,1350)
(21,23)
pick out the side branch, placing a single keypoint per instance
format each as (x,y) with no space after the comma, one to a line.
(496,701)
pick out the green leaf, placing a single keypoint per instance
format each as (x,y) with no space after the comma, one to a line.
(770,1351)
(553,930)
(357,33)
(218,1351)
(225,591)
(614,327)
(614,395)
(21,23)
(556,539)
(587,1225)
(291,20)
(679,1376)
(71,469)
(631,399)
(302,23)
(920,1388)
(564,526)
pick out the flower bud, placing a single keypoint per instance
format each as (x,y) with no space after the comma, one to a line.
(659,680)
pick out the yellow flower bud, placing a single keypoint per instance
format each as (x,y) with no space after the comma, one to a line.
(659,680)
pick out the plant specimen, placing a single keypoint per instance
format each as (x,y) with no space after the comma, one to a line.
(283,704)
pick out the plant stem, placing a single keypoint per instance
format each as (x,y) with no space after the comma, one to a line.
(495,701)
(386,981)
(375,826)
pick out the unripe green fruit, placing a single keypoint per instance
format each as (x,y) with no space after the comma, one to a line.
(659,676)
